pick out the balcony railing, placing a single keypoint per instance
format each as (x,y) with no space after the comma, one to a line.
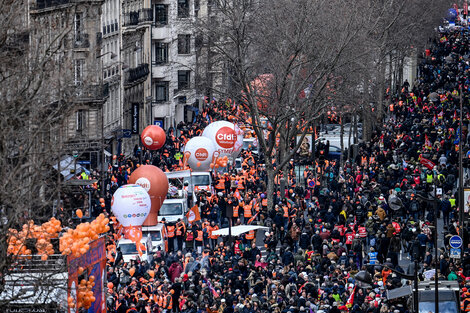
(81,41)
(91,93)
(44,4)
(131,18)
(136,74)
(146,15)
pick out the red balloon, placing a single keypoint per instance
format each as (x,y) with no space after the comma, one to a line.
(153,137)
(154,181)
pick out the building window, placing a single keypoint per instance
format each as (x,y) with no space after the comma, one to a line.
(80,120)
(78,27)
(183,8)
(161,91)
(161,53)
(79,67)
(161,15)
(183,79)
(184,44)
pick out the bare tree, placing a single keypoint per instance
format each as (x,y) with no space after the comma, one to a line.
(35,99)
(281,58)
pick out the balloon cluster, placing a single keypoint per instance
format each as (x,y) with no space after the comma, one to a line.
(134,233)
(220,162)
(42,233)
(76,241)
(85,295)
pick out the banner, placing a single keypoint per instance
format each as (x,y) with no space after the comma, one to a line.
(94,264)
(428,163)
(135,118)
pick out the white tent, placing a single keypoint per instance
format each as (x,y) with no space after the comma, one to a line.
(238,230)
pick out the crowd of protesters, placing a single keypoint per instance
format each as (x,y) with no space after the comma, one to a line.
(368,214)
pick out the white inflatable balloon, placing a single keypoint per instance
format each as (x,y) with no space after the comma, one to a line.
(224,136)
(201,150)
(131,205)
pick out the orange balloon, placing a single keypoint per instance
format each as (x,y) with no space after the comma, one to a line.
(154,181)
(153,137)
(79,213)
(110,285)
(132,271)
(101,200)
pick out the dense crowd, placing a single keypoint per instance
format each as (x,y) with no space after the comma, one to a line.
(365,215)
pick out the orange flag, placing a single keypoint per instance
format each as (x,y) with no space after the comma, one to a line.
(193,215)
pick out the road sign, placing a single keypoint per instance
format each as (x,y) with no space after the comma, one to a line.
(455,242)
(455,253)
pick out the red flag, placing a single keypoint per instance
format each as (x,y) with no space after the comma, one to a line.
(428,163)
(465,8)
(427,143)
(193,215)
(350,301)
(252,219)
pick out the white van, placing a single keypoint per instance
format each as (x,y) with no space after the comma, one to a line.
(201,181)
(129,250)
(158,237)
(172,210)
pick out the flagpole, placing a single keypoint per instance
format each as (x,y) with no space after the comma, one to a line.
(461,190)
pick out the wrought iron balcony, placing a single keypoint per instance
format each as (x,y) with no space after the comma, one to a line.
(137,74)
(131,18)
(91,93)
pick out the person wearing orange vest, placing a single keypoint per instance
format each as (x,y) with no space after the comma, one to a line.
(180,231)
(247,214)
(168,302)
(198,240)
(212,236)
(250,236)
(170,229)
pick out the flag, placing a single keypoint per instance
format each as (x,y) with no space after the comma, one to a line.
(350,301)
(454,118)
(434,120)
(404,164)
(236,194)
(457,137)
(193,215)
(428,163)
(252,219)
(440,115)
(427,143)
(212,289)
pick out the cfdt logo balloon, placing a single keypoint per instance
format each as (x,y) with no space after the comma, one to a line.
(155,182)
(199,151)
(153,137)
(226,137)
(223,135)
(131,205)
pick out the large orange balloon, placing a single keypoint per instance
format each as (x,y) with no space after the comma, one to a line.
(155,182)
(153,137)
